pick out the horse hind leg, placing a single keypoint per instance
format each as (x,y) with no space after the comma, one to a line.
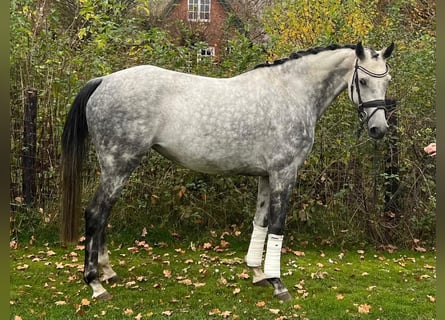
(96,219)
(254,255)
(108,274)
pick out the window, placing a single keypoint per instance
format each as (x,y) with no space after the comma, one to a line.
(206,53)
(199,10)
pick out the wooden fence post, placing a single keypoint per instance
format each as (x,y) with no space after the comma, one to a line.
(29,146)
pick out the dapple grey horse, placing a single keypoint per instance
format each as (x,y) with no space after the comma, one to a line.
(258,123)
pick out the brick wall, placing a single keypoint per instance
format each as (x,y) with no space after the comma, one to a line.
(211,32)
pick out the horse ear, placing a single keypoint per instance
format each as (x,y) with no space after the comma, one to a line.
(388,51)
(360,51)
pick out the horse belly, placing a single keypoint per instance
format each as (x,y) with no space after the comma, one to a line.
(213,162)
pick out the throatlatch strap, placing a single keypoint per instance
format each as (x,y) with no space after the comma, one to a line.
(273,254)
(255,253)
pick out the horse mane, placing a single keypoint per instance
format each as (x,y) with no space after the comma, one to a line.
(302,53)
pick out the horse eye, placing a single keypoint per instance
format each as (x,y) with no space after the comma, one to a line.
(363,82)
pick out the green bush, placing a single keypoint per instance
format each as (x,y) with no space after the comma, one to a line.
(349,190)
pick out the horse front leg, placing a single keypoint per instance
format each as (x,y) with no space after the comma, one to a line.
(281,184)
(254,255)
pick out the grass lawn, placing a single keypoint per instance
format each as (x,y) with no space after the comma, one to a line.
(209,280)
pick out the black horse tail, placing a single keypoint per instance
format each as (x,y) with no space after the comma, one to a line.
(74,143)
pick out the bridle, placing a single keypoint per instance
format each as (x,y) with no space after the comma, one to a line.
(386,105)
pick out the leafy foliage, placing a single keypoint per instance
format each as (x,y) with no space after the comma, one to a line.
(342,189)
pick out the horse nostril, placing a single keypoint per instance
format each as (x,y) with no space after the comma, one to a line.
(377,132)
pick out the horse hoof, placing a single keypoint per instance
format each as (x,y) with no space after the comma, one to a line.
(104,296)
(261,283)
(259,278)
(283,296)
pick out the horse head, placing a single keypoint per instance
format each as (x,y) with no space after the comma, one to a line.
(368,84)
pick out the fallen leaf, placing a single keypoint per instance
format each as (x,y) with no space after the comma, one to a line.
(236,290)
(222,281)
(224,244)
(431,298)
(207,246)
(364,308)
(260,304)
(275,311)
(340,296)
(167,313)
(50,253)
(226,314)
(167,274)
(144,232)
(85,302)
(128,311)
(182,191)
(60,303)
(243,275)
(23,267)
(187,282)
(199,284)
(138,317)
(13,245)
(214,311)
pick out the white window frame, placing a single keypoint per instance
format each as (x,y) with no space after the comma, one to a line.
(207,52)
(199,10)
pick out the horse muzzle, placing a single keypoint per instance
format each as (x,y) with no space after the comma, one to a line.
(377,127)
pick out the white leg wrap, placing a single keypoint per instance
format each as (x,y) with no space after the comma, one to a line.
(273,254)
(255,253)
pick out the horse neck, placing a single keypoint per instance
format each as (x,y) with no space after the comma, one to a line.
(325,75)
